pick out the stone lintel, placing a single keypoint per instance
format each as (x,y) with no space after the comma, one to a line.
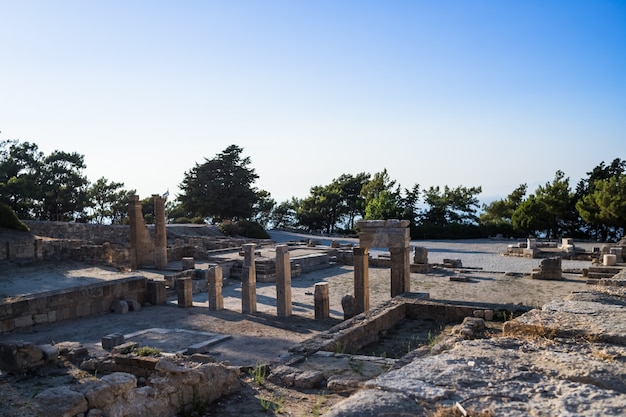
(385,238)
(377,224)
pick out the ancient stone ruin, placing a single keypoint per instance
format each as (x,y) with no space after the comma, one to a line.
(562,358)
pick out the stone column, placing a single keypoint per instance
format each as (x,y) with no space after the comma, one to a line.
(188,262)
(361,280)
(322,301)
(283,281)
(160,244)
(216,297)
(184,291)
(156,292)
(248,280)
(400,270)
(134,217)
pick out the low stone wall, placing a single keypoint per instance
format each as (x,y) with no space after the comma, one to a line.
(312,262)
(68,304)
(175,390)
(95,233)
(365,328)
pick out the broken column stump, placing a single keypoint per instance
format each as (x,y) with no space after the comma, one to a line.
(283,281)
(361,280)
(156,292)
(248,280)
(347,303)
(188,263)
(184,292)
(322,301)
(216,297)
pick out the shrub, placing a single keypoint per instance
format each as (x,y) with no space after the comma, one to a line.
(9,220)
(181,220)
(252,230)
(228,228)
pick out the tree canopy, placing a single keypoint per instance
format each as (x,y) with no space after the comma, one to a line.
(53,187)
(221,188)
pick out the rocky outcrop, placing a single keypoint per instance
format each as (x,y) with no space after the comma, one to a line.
(567,358)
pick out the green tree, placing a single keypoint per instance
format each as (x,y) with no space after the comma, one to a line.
(500,212)
(352,201)
(382,207)
(378,183)
(221,188)
(263,207)
(451,205)
(20,173)
(609,198)
(64,187)
(559,204)
(284,214)
(585,202)
(321,210)
(531,216)
(380,198)
(108,201)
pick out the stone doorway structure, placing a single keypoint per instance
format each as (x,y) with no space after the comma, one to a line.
(394,235)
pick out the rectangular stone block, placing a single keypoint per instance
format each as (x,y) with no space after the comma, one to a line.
(184,291)
(23,321)
(321,298)
(111,340)
(156,292)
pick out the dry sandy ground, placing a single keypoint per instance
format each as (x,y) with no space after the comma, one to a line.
(262,337)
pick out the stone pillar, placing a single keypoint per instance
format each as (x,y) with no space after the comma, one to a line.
(38,248)
(160,244)
(248,280)
(283,281)
(617,251)
(188,263)
(156,292)
(609,259)
(400,270)
(361,280)
(322,301)
(135,220)
(420,255)
(184,291)
(216,297)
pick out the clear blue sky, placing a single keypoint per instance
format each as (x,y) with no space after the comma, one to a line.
(470,93)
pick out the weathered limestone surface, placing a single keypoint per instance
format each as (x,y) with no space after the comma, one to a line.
(567,358)
(117,394)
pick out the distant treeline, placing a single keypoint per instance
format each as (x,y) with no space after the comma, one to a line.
(221,190)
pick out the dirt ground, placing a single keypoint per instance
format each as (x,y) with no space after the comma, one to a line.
(263,338)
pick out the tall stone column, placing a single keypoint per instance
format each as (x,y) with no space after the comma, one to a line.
(184,291)
(321,299)
(400,270)
(160,244)
(135,218)
(216,297)
(283,281)
(248,280)
(361,280)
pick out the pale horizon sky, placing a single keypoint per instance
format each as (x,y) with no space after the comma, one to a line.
(457,93)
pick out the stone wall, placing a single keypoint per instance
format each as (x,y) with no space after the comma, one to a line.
(69,304)
(97,234)
(175,390)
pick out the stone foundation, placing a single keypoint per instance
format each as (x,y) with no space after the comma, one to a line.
(69,304)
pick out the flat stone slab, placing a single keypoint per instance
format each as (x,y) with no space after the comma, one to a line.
(172,341)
